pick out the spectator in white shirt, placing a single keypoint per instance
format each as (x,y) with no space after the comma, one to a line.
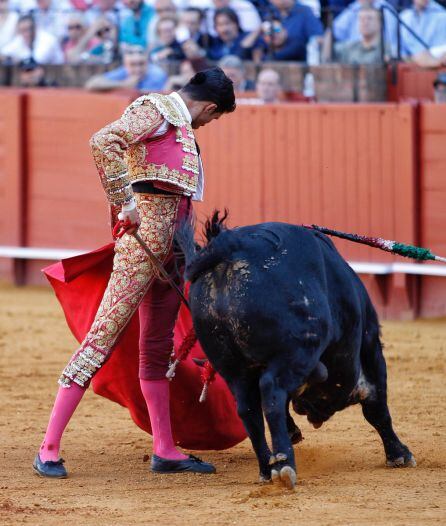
(434,57)
(8,23)
(51,16)
(32,42)
(247,14)
(428,19)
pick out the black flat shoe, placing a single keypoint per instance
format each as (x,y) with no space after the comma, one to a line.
(189,465)
(50,469)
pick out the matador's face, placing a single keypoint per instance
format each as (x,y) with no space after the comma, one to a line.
(208,114)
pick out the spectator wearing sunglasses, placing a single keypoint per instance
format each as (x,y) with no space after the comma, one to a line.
(287,37)
(75,30)
(96,44)
(135,73)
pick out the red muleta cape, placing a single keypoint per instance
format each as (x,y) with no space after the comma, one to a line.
(79,283)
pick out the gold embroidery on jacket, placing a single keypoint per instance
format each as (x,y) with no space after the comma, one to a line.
(109,147)
(190,163)
(161,172)
(188,144)
(164,105)
(190,131)
(131,277)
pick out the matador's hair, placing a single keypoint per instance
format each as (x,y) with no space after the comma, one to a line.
(214,86)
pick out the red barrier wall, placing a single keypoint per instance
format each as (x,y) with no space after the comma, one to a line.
(11,174)
(351,167)
(407,81)
(65,200)
(433,201)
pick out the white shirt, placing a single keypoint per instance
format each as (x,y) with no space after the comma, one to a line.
(181,105)
(438,51)
(46,49)
(7,29)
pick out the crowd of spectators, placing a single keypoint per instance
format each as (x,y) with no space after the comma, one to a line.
(144,36)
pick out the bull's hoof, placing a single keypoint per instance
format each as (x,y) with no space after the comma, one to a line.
(286,476)
(405,461)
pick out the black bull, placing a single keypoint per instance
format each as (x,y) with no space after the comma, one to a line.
(282,317)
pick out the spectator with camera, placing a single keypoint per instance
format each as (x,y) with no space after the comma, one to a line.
(231,40)
(136,72)
(286,35)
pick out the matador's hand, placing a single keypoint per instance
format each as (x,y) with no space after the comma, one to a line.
(130,217)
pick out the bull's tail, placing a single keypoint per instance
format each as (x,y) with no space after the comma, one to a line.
(220,245)
(401,249)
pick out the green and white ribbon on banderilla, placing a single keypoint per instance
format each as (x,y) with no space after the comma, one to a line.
(401,249)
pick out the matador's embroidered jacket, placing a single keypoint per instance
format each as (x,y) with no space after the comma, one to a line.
(127,150)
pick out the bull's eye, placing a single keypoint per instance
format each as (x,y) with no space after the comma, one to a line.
(221,338)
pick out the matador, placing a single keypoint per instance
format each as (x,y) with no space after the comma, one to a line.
(150,168)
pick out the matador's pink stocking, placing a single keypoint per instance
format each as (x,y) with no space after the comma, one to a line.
(156,394)
(67,400)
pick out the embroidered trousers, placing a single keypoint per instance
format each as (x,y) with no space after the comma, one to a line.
(135,282)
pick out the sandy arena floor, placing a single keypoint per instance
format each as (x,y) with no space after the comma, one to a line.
(341,481)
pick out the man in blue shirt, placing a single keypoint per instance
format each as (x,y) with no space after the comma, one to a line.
(135,23)
(136,72)
(288,39)
(345,25)
(428,20)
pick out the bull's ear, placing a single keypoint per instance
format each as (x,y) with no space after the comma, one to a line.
(199,362)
